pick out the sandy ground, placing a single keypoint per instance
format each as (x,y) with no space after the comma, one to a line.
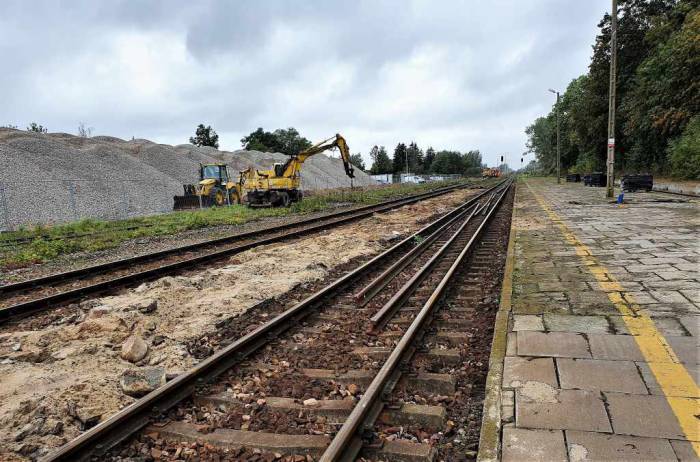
(58,381)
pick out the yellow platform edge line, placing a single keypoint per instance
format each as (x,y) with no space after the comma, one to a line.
(672,377)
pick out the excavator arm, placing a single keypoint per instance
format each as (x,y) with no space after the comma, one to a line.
(293,165)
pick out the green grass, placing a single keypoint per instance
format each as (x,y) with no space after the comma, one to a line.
(49,242)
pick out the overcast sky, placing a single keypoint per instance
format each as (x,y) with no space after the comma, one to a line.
(455,75)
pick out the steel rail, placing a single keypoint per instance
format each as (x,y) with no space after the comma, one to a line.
(120,426)
(124,262)
(385,312)
(363,296)
(346,443)
(32,306)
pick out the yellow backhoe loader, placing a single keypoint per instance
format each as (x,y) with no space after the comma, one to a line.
(215,188)
(282,185)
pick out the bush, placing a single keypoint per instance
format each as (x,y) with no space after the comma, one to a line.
(684,152)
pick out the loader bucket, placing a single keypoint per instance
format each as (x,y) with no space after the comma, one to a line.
(190,200)
(186,202)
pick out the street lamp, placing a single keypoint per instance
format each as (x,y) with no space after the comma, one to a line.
(558,143)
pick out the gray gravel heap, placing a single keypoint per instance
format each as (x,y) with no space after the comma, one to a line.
(57,177)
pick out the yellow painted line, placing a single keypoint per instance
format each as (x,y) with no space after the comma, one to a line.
(676,383)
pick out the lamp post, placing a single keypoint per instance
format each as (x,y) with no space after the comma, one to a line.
(558,142)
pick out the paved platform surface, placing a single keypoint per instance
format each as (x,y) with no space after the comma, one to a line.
(602,350)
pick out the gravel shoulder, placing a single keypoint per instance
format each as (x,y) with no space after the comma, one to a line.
(60,380)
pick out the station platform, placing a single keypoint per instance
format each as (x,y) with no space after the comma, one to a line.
(596,347)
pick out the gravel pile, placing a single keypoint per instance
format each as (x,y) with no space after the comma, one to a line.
(57,177)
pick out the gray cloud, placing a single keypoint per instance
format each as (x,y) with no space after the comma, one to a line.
(457,75)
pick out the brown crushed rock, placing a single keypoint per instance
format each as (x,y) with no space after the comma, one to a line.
(69,372)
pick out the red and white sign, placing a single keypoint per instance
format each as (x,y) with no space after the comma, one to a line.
(611,142)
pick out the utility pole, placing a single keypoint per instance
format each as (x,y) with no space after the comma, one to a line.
(406,164)
(611,104)
(558,139)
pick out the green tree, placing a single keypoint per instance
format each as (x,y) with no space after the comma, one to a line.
(373,154)
(541,141)
(34,127)
(665,95)
(399,161)
(429,158)
(287,141)
(657,62)
(448,162)
(684,152)
(357,161)
(290,142)
(259,140)
(381,164)
(415,158)
(472,163)
(205,136)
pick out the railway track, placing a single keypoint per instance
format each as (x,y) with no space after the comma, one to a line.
(334,376)
(21,299)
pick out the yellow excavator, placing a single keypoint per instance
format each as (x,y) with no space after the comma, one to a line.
(282,185)
(279,186)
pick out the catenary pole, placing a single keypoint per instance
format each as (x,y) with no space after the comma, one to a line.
(611,104)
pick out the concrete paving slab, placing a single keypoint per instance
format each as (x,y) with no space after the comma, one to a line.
(519,370)
(585,446)
(668,296)
(527,322)
(555,344)
(691,294)
(691,324)
(522,444)
(684,451)
(664,322)
(644,415)
(545,407)
(663,309)
(615,347)
(580,324)
(639,297)
(686,348)
(674,389)
(601,375)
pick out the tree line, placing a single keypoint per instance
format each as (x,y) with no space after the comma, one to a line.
(410,158)
(289,141)
(657,127)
